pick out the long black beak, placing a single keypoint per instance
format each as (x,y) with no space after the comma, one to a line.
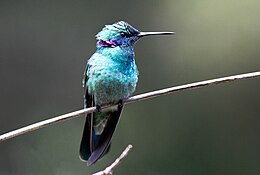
(141,34)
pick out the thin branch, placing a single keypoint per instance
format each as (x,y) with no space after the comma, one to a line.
(109,170)
(140,97)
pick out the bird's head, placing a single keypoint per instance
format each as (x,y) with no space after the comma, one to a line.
(122,34)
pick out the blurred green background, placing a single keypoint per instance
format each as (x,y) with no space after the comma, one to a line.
(44,46)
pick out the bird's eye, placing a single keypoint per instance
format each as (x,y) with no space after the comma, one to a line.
(122,34)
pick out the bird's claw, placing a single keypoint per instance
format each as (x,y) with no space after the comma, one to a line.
(120,103)
(98,108)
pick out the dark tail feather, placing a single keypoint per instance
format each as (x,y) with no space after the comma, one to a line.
(86,141)
(92,152)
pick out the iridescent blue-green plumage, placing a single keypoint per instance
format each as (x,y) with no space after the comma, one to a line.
(110,76)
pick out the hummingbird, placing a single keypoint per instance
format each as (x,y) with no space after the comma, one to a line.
(110,77)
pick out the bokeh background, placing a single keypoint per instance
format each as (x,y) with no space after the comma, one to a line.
(44,46)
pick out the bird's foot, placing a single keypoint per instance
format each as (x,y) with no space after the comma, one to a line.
(98,108)
(121,103)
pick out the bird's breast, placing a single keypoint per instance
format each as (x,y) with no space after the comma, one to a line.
(111,83)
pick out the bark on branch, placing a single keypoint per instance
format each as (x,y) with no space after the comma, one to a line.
(109,170)
(140,97)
